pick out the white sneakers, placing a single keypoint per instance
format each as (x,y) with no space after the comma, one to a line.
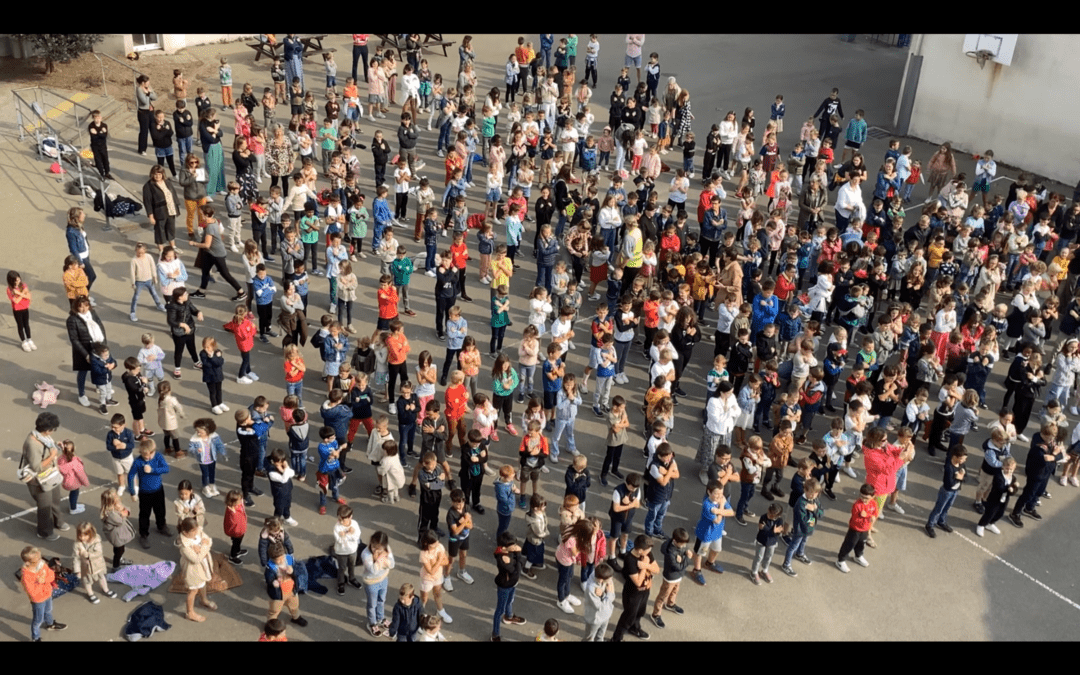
(1023,439)
(235,248)
(253,377)
(979,530)
(217,410)
(26,346)
(245,380)
(849,471)
(430,273)
(842,566)
(448,585)
(465,576)
(565,606)
(862,561)
(993,528)
(442,612)
(573,600)
(79,508)
(291,522)
(896,507)
(33,347)
(84,401)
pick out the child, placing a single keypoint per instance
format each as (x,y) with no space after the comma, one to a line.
(770,526)
(149,468)
(101,367)
(115,526)
(1003,485)
(188,504)
(433,561)
(89,561)
(625,500)
(863,514)
(38,580)
(505,489)
(235,525)
(346,543)
(676,560)
(391,472)
(196,566)
(600,603)
(807,513)
(225,77)
(553,372)
(432,478)
(533,451)
(281,475)
(459,524)
(71,467)
(329,474)
(213,373)
(282,584)
(950,488)
(150,359)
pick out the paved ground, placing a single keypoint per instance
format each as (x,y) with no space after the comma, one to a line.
(1014,586)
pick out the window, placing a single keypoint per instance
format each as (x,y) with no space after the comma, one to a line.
(141,42)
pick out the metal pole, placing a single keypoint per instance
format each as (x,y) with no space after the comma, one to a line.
(18,116)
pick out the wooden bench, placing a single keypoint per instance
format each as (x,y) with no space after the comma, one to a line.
(433,40)
(265,49)
(389,40)
(313,45)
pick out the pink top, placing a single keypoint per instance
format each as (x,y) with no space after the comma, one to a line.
(21,304)
(73,472)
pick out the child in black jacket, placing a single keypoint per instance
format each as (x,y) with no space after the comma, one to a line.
(406,617)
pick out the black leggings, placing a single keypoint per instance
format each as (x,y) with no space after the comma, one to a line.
(101,159)
(723,158)
(181,341)
(22,320)
(401,205)
(171,441)
(397,369)
(313,249)
(215,393)
(222,268)
(117,555)
(504,403)
(284,183)
(172,164)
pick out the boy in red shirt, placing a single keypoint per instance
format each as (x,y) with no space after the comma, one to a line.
(651,310)
(863,513)
(388,302)
(459,257)
(397,351)
(457,405)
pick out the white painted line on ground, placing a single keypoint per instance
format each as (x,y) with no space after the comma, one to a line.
(1017,570)
(24,512)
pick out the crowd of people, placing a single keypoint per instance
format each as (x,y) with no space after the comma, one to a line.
(902,309)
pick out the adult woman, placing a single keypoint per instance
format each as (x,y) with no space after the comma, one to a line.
(465,53)
(683,116)
(292,319)
(466,78)
(882,460)
(610,221)
(849,202)
(39,454)
(729,129)
(856,166)
(941,167)
(680,185)
(671,95)
(811,203)
(210,138)
(294,65)
(84,329)
(182,315)
(78,246)
(194,190)
(684,336)
(171,271)
(280,158)
(144,97)
(730,279)
(162,207)
(161,135)
(213,255)
(244,162)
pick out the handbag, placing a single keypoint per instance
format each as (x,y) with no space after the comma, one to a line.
(47,479)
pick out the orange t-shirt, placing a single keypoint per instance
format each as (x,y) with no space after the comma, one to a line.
(456,401)
(459,255)
(388,301)
(294,370)
(287,585)
(397,348)
(39,591)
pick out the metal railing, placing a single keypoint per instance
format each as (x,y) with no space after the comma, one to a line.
(119,62)
(33,112)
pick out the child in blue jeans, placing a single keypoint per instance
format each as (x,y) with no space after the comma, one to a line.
(329,474)
(505,489)
(37,581)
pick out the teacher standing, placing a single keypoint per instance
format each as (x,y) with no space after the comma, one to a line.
(162,207)
(144,97)
(84,329)
(39,453)
(210,138)
(294,65)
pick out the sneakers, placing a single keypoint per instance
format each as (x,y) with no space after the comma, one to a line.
(1033,514)
(657,620)
(945,527)
(1074,481)
(465,576)
(896,507)
(979,530)
(993,528)
(740,520)
(565,606)
(302,622)
(573,600)
(788,570)
(597,411)
(56,625)
(445,617)
(448,585)
(1016,520)
(1022,438)
(849,471)
(84,401)
(246,379)
(842,566)
(863,562)
(134,319)
(638,633)
(766,577)
(79,508)
(291,522)
(430,273)
(755,578)
(698,577)
(144,542)
(514,620)
(674,609)
(511,429)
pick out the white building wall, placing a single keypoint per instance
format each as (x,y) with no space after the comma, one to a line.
(1028,113)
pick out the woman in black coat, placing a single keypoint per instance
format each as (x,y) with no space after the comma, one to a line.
(684,336)
(84,329)
(162,207)
(182,316)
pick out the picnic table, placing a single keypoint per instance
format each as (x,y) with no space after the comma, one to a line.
(430,41)
(312,45)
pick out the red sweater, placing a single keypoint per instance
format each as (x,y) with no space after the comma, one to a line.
(235,521)
(244,331)
(388,302)
(784,287)
(862,515)
(456,401)
(881,467)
